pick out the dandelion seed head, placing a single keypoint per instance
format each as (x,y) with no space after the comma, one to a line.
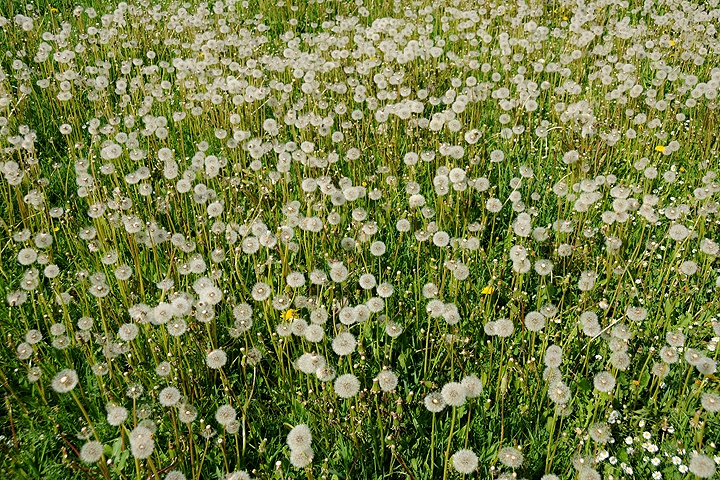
(434,402)
(511,457)
(91,452)
(465,461)
(299,438)
(64,381)
(453,394)
(169,396)
(116,415)
(225,415)
(702,465)
(604,382)
(344,343)
(347,385)
(216,359)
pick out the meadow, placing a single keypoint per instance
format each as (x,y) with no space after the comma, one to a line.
(419,239)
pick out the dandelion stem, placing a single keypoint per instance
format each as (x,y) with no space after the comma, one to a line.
(449,443)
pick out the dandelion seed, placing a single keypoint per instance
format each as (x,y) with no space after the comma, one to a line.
(347,385)
(27,256)
(141,442)
(375,305)
(710,402)
(473,386)
(175,475)
(707,366)
(559,393)
(504,327)
(441,239)
(385,290)
(338,273)
(678,232)
(453,394)
(553,356)
(301,458)
(367,281)
(187,413)
(163,369)
(387,380)
(534,321)
(694,357)
(216,359)
(621,332)
(239,475)
(24,351)
(176,327)
(261,291)
(64,381)
(377,249)
(314,333)
(344,343)
(620,360)
(571,157)
(116,415)
(325,373)
(493,205)
(299,438)
(497,156)
(91,452)
(281,302)
(600,432)
(702,465)
(511,457)
(637,314)
(604,382)
(128,332)
(61,343)
(134,391)
(295,280)
(688,268)
(225,415)
(434,402)
(450,314)
(100,369)
(465,461)
(169,396)
(587,473)
(393,329)
(430,290)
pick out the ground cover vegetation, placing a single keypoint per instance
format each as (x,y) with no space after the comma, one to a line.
(328,240)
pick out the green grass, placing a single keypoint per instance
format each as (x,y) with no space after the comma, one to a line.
(658,422)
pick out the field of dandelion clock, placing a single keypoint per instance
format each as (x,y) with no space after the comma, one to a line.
(412,239)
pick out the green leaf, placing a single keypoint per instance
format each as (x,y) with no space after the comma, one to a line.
(669,307)
(123,459)
(644,379)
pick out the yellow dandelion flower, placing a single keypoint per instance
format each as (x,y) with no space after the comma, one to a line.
(672,43)
(488,290)
(565,18)
(53,10)
(660,148)
(289,314)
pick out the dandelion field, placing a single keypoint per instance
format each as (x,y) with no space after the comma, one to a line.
(339,240)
